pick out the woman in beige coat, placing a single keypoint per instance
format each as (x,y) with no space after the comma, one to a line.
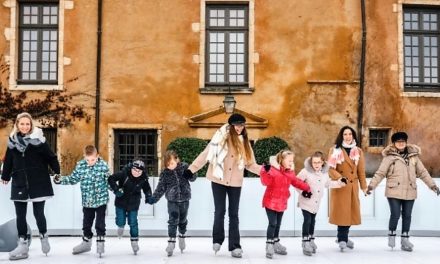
(346,160)
(229,152)
(401,166)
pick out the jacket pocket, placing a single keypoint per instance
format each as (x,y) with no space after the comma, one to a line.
(392,184)
(20,193)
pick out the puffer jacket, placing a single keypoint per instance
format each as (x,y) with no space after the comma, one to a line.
(29,171)
(400,177)
(131,187)
(278,181)
(172,183)
(93,182)
(317,180)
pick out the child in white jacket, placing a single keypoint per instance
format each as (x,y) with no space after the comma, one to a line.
(315,173)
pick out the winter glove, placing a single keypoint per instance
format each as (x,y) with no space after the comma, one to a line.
(436,189)
(119,193)
(57,179)
(267,167)
(187,174)
(369,189)
(306,194)
(150,200)
(344,180)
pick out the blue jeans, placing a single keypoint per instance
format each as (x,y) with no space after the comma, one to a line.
(131,216)
(398,207)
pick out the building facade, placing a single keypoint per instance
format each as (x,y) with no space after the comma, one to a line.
(149,71)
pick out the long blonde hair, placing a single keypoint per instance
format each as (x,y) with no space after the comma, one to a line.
(20,116)
(241,147)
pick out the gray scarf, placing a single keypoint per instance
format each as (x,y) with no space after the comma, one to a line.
(21,142)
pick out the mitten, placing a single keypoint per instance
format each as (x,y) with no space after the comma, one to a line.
(344,180)
(57,179)
(187,174)
(119,193)
(267,167)
(306,194)
(150,200)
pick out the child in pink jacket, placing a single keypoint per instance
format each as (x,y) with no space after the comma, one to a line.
(315,173)
(278,176)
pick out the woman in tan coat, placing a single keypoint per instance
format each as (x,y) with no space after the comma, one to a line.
(401,166)
(229,152)
(346,160)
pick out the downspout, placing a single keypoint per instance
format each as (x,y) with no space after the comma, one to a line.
(98,75)
(362,74)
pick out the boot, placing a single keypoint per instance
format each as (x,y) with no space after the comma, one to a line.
(120,231)
(392,239)
(21,251)
(269,249)
(171,246)
(307,248)
(312,243)
(216,247)
(134,244)
(100,245)
(279,249)
(342,245)
(350,244)
(182,244)
(45,247)
(85,246)
(405,244)
(237,253)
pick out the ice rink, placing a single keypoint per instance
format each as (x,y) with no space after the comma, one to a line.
(368,250)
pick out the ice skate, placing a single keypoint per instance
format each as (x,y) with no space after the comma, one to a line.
(270,249)
(84,246)
(279,248)
(100,245)
(21,251)
(171,245)
(182,244)
(307,248)
(134,244)
(45,246)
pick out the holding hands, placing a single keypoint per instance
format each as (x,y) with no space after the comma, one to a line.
(436,189)
(56,178)
(187,174)
(306,194)
(119,193)
(266,167)
(150,200)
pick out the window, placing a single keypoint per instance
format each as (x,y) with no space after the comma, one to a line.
(227,33)
(378,137)
(38,42)
(421,43)
(51,138)
(142,144)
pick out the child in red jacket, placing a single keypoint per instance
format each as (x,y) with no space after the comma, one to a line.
(278,176)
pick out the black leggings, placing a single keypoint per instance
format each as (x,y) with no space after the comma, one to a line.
(273,229)
(21,210)
(308,228)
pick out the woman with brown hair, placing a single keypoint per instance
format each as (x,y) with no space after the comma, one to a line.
(346,160)
(229,152)
(27,159)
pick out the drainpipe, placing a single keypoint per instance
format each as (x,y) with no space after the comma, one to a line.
(98,74)
(362,74)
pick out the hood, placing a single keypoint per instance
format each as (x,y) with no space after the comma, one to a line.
(310,169)
(391,150)
(274,163)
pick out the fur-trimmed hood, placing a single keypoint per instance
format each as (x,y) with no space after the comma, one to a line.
(274,163)
(310,169)
(391,150)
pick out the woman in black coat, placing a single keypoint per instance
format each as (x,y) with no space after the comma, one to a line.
(26,163)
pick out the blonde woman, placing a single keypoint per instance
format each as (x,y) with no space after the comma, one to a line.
(27,159)
(228,153)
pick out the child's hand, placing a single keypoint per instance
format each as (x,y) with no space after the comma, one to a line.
(368,191)
(119,193)
(267,167)
(187,174)
(306,194)
(436,189)
(150,200)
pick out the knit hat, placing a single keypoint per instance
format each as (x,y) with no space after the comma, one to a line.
(236,119)
(399,136)
(138,164)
